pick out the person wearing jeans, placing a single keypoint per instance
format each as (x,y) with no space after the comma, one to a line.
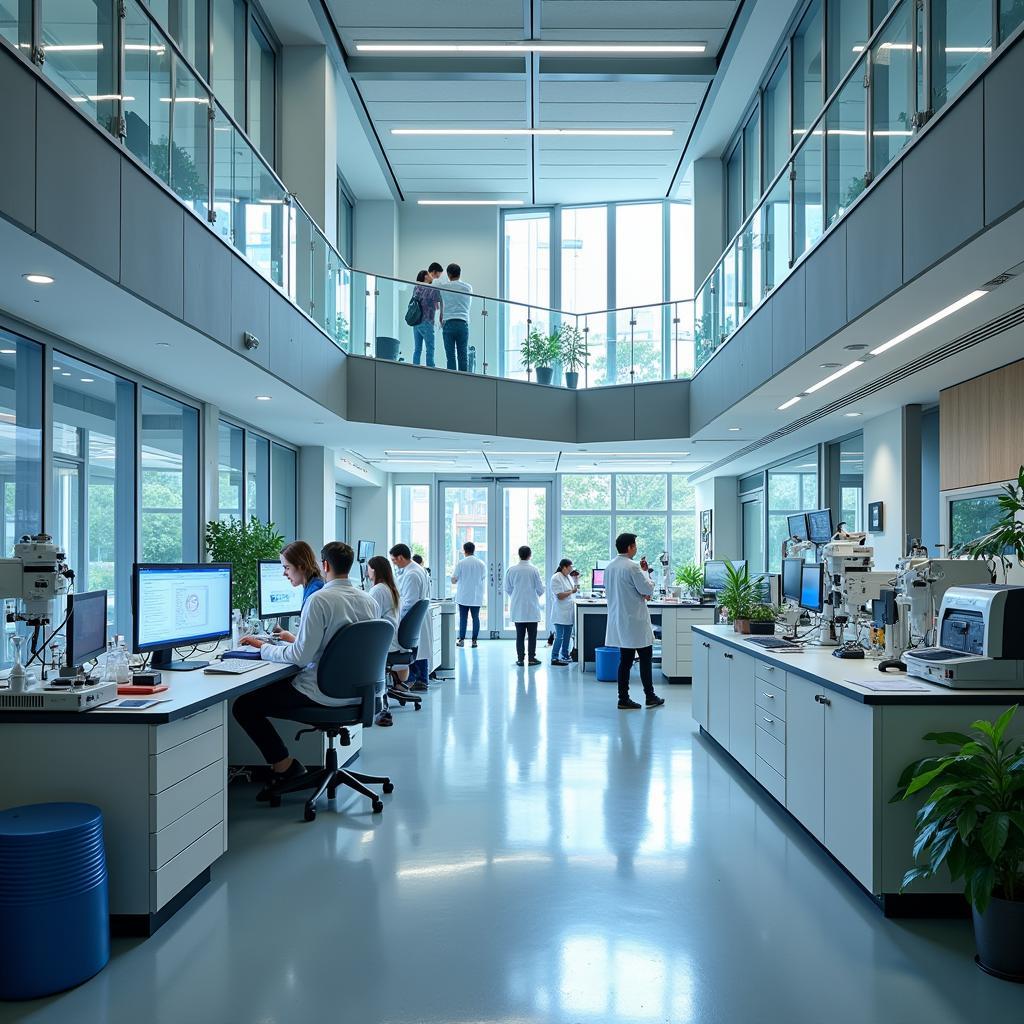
(469,577)
(429,299)
(562,588)
(458,298)
(524,588)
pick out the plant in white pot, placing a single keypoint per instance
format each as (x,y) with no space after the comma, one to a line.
(573,353)
(972,823)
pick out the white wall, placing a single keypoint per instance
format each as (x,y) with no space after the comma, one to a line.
(720,495)
(371,513)
(883,481)
(316,495)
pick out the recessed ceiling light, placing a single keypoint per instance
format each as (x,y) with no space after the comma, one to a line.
(38,278)
(855,348)
(734,429)
(829,366)
(56,369)
(853,414)
(65,373)
(8,351)
(834,376)
(87,380)
(163,344)
(263,398)
(928,321)
(543,132)
(535,46)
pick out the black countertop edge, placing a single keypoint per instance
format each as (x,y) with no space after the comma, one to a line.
(963,696)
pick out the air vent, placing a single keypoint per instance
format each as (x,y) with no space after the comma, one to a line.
(997,281)
(966,341)
(21,701)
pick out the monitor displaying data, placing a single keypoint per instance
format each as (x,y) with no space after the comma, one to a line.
(819,526)
(177,605)
(792,579)
(716,576)
(277,597)
(812,586)
(597,579)
(797,525)
(365,550)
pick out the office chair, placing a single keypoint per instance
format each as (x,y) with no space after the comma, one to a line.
(352,665)
(408,639)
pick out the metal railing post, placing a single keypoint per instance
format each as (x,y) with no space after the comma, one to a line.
(483,314)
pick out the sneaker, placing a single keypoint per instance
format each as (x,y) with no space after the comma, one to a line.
(460,643)
(654,701)
(293,771)
(628,705)
(559,664)
(519,664)
(474,644)
(533,661)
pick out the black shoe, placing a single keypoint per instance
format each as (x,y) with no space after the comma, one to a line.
(533,661)
(384,719)
(460,643)
(654,701)
(519,664)
(628,705)
(559,664)
(474,644)
(419,687)
(293,771)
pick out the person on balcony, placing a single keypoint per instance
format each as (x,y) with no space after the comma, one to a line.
(458,297)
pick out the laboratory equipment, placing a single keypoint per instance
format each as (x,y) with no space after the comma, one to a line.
(35,577)
(666,582)
(277,597)
(980,642)
(86,630)
(179,606)
(365,550)
(819,526)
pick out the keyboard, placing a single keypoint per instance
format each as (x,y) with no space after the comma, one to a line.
(231,667)
(772,643)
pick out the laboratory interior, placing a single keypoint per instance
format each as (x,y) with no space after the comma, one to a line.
(513,512)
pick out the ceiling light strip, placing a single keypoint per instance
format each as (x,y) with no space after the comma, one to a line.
(545,132)
(834,376)
(536,46)
(928,321)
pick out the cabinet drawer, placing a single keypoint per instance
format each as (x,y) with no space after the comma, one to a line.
(771,723)
(185,759)
(180,834)
(771,698)
(770,750)
(166,882)
(770,673)
(181,798)
(170,735)
(771,780)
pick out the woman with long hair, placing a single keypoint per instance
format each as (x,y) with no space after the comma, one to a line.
(385,596)
(301,570)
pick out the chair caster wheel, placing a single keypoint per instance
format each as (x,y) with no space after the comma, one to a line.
(275,800)
(331,794)
(378,806)
(402,702)
(418,705)
(388,787)
(309,813)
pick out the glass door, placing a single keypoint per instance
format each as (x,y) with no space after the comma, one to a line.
(524,521)
(466,515)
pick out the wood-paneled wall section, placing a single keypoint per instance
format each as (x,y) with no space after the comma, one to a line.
(981,429)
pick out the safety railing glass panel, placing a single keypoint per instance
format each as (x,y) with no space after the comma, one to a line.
(894,90)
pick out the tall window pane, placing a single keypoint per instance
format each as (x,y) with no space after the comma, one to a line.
(584,269)
(846,152)
(169,517)
(230,460)
(683,529)
(261,91)
(893,91)
(190,172)
(753,534)
(961,41)
(751,163)
(94,480)
(283,490)
(586,491)
(16,24)
(807,93)
(412,518)
(527,257)
(639,269)
(851,483)
(792,487)
(257,477)
(734,191)
(147,105)
(847,33)
(186,22)
(641,491)
(586,540)
(777,140)
(228,58)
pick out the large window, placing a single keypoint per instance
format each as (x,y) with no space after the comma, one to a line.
(168,517)
(527,263)
(973,517)
(255,477)
(283,489)
(412,518)
(187,22)
(639,282)
(584,273)
(792,487)
(230,469)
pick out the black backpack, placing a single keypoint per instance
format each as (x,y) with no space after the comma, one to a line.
(414,312)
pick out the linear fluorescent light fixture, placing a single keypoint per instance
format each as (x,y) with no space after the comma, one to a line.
(536,46)
(543,132)
(469,202)
(842,372)
(790,403)
(933,319)
(71,47)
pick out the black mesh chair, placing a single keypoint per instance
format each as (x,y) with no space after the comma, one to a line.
(408,639)
(353,665)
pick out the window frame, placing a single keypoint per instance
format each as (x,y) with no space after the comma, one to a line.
(272,439)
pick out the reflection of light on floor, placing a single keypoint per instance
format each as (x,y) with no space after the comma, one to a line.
(624,980)
(670,806)
(462,867)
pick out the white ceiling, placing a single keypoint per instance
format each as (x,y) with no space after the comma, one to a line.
(520,92)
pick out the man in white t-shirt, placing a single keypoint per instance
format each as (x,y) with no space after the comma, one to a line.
(458,297)
(469,577)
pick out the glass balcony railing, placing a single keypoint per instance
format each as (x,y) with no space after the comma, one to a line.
(916,61)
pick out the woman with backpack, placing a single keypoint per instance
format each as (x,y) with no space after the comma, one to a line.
(427,298)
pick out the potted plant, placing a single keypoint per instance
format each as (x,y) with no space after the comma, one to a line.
(972,823)
(762,619)
(243,545)
(573,352)
(532,350)
(1006,538)
(737,597)
(691,578)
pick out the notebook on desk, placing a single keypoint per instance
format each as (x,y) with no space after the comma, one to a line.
(247,653)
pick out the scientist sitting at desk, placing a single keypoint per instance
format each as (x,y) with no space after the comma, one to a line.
(338,603)
(300,570)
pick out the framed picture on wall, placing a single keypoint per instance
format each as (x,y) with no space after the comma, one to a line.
(706,545)
(875,520)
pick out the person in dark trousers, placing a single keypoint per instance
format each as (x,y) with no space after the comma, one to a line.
(524,588)
(628,589)
(457,300)
(469,577)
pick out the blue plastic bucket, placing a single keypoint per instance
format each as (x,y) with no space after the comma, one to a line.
(606,664)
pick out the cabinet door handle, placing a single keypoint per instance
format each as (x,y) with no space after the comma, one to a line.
(771,668)
(705,644)
(729,656)
(770,696)
(770,721)
(822,699)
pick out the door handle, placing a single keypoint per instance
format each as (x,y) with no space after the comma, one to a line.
(729,656)
(822,699)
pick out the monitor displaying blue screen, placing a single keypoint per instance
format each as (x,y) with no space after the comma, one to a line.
(792,578)
(812,585)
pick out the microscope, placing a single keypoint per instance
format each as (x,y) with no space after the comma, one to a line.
(851,584)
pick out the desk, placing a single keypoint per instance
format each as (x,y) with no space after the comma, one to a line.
(158,775)
(830,750)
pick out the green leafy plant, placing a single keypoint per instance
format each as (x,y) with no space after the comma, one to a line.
(243,545)
(1006,538)
(573,348)
(739,594)
(763,613)
(690,576)
(972,821)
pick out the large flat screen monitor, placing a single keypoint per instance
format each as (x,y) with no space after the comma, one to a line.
(277,597)
(365,550)
(792,574)
(597,579)
(797,525)
(812,586)
(179,606)
(819,526)
(715,575)
(767,584)
(86,627)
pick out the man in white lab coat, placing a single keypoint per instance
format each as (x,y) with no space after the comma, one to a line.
(525,588)
(413,585)
(628,589)
(468,577)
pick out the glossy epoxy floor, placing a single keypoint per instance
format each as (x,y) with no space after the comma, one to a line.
(544,858)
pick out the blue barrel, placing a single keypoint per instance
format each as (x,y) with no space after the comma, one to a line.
(54,929)
(606,664)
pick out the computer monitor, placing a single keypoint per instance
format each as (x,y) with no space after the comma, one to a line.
(819,526)
(792,576)
(715,575)
(179,606)
(767,584)
(597,579)
(86,628)
(277,597)
(812,586)
(797,525)
(365,550)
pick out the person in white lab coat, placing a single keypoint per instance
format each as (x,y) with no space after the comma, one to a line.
(413,586)
(524,587)
(562,610)
(628,589)
(468,577)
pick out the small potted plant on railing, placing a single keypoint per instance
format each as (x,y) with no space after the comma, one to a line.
(540,352)
(737,597)
(573,354)
(762,619)
(972,822)
(691,578)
